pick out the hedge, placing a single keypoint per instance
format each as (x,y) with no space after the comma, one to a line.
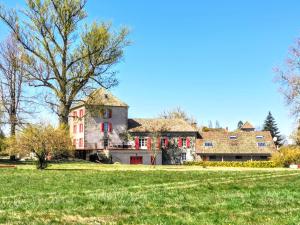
(250,164)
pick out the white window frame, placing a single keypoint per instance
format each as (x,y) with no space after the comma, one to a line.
(208,146)
(106,126)
(143,143)
(259,137)
(261,146)
(183,140)
(183,156)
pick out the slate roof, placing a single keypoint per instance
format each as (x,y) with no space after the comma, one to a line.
(101,97)
(239,142)
(159,125)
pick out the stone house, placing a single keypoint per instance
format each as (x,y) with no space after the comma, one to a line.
(242,145)
(100,124)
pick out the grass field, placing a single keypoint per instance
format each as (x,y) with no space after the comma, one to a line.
(95,194)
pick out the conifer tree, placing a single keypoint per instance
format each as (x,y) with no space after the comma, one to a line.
(240,124)
(271,125)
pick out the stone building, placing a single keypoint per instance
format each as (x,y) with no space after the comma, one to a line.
(242,145)
(100,125)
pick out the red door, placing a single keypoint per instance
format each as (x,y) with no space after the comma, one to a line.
(136,159)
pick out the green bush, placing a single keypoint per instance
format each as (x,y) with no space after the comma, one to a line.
(287,155)
(250,164)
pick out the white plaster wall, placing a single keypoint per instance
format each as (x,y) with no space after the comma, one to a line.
(93,134)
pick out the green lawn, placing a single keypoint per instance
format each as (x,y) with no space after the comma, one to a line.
(95,194)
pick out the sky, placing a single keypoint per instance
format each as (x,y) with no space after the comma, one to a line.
(214,59)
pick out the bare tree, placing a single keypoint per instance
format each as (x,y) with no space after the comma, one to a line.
(289,79)
(178,113)
(16,106)
(64,56)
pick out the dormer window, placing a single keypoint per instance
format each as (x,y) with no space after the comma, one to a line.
(233,137)
(259,137)
(208,144)
(261,144)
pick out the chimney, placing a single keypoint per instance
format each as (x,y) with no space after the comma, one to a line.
(227,129)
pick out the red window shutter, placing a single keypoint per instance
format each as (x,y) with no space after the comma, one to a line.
(179,142)
(110,113)
(110,127)
(149,143)
(137,143)
(158,143)
(166,142)
(102,127)
(188,142)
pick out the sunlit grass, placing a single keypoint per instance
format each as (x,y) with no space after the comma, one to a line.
(81,193)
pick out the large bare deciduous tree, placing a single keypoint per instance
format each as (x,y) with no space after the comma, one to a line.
(288,77)
(16,104)
(63,55)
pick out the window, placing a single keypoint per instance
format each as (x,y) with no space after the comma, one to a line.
(74,114)
(261,144)
(259,137)
(107,113)
(81,113)
(80,128)
(183,156)
(264,157)
(183,142)
(208,144)
(233,137)
(80,142)
(143,142)
(106,127)
(238,157)
(74,129)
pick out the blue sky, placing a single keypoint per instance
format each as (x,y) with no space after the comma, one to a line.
(214,59)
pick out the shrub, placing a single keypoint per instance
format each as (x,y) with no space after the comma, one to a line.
(45,141)
(250,164)
(287,155)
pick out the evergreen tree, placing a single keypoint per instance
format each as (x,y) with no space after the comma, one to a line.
(240,124)
(270,125)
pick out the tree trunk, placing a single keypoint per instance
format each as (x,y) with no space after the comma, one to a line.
(13,124)
(63,114)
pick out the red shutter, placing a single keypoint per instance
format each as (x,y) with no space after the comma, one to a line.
(166,142)
(188,142)
(110,127)
(102,127)
(149,143)
(179,142)
(137,143)
(158,143)
(110,113)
